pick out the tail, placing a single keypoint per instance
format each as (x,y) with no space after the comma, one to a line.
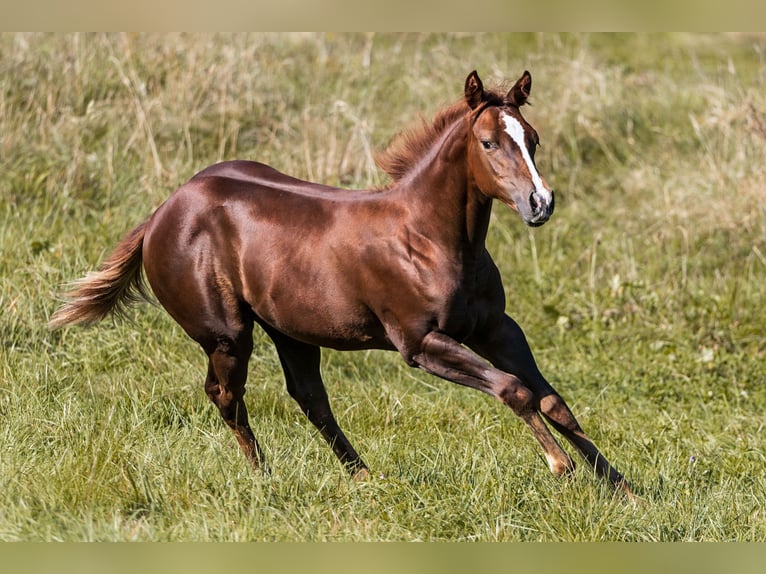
(117,283)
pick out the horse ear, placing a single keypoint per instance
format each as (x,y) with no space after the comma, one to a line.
(518,94)
(474,90)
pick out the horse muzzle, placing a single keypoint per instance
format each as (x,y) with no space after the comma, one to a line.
(540,209)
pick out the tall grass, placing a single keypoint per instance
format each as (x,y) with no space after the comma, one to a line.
(642,298)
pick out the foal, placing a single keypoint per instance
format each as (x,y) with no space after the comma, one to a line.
(402,268)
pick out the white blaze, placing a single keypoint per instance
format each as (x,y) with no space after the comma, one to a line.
(514,129)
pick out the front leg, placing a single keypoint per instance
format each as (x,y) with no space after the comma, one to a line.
(506,347)
(446,358)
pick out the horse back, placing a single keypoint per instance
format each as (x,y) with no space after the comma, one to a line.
(260,174)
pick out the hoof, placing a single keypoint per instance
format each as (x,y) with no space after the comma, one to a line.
(561,467)
(361,475)
(623,488)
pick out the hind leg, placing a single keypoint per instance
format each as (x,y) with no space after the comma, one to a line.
(194,280)
(300,363)
(225,387)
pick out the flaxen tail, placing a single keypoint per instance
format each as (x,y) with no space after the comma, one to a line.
(117,283)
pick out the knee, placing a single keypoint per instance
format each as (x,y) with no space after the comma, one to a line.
(551,403)
(515,395)
(554,407)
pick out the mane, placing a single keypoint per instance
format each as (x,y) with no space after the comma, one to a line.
(408,146)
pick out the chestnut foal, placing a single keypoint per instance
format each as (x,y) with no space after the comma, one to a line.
(403,268)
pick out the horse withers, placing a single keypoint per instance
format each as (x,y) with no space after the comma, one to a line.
(403,268)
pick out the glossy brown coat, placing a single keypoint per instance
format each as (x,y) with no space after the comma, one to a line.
(401,268)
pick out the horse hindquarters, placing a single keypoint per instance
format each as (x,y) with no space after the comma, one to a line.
(195,282)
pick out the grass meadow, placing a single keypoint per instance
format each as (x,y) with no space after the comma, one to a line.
(642,298)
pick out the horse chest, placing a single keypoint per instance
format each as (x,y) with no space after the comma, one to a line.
(441,299)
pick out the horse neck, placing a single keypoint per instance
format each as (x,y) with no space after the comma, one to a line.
(444,200)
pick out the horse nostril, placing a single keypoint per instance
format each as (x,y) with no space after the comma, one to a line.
(533,203)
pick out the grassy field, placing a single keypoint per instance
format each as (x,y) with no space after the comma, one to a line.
(651,272)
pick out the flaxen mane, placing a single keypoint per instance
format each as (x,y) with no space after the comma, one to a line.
(408,146)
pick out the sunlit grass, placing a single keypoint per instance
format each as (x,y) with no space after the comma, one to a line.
(642,298)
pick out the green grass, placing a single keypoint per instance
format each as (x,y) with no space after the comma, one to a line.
(642,298)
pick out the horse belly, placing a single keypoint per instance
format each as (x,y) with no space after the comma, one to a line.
(323,322)
(314,304)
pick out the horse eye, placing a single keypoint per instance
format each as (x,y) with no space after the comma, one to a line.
(488,144)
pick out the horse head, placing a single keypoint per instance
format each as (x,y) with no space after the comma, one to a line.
(501,150)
